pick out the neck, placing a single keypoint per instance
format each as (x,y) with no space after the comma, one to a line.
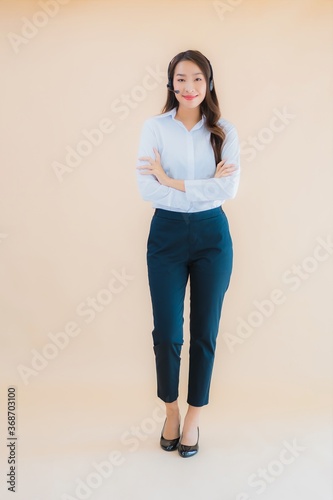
(187,114)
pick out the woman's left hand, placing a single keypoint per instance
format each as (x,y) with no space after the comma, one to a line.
(154,167)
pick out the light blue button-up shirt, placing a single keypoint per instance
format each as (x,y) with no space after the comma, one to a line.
(187,155)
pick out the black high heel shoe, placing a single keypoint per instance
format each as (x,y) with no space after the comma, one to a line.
(188,451)
(169,444)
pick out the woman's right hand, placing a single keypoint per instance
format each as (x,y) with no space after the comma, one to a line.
(224,169)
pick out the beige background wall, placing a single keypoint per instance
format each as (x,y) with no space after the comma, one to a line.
(66,231)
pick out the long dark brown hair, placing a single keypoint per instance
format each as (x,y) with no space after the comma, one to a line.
(209,106)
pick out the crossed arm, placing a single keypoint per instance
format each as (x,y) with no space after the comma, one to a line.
(154,167)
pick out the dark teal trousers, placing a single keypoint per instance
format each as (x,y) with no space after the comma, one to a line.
(182,247)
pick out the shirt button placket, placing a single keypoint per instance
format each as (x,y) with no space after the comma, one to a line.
(191,175)
(190,155)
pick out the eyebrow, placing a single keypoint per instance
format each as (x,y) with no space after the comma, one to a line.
(181,74)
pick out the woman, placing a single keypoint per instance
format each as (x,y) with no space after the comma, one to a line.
(188,166)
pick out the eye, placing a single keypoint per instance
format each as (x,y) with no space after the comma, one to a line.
(199,78)
(180,80)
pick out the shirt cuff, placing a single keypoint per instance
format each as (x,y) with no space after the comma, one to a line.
(211,189)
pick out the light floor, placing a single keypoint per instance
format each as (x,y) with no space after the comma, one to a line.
(241,457)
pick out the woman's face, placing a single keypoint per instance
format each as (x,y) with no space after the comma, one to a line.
(190,81)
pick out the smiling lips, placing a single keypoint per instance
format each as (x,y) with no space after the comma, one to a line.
(189,97)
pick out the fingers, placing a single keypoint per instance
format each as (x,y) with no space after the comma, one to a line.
(157,154)
(149,158)
(224,170)
(224,164)
(221,163)
(146,158)
(145,173)
(145,167)
(153,164)
(229,168)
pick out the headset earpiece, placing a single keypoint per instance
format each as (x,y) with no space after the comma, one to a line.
(169,84)
(211,81)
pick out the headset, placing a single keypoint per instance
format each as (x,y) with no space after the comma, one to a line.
(170,85)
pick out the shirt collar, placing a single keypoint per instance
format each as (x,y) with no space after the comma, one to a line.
(173,112)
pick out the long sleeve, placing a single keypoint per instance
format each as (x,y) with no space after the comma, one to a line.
(202,190)
(187,155)
(149,187)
